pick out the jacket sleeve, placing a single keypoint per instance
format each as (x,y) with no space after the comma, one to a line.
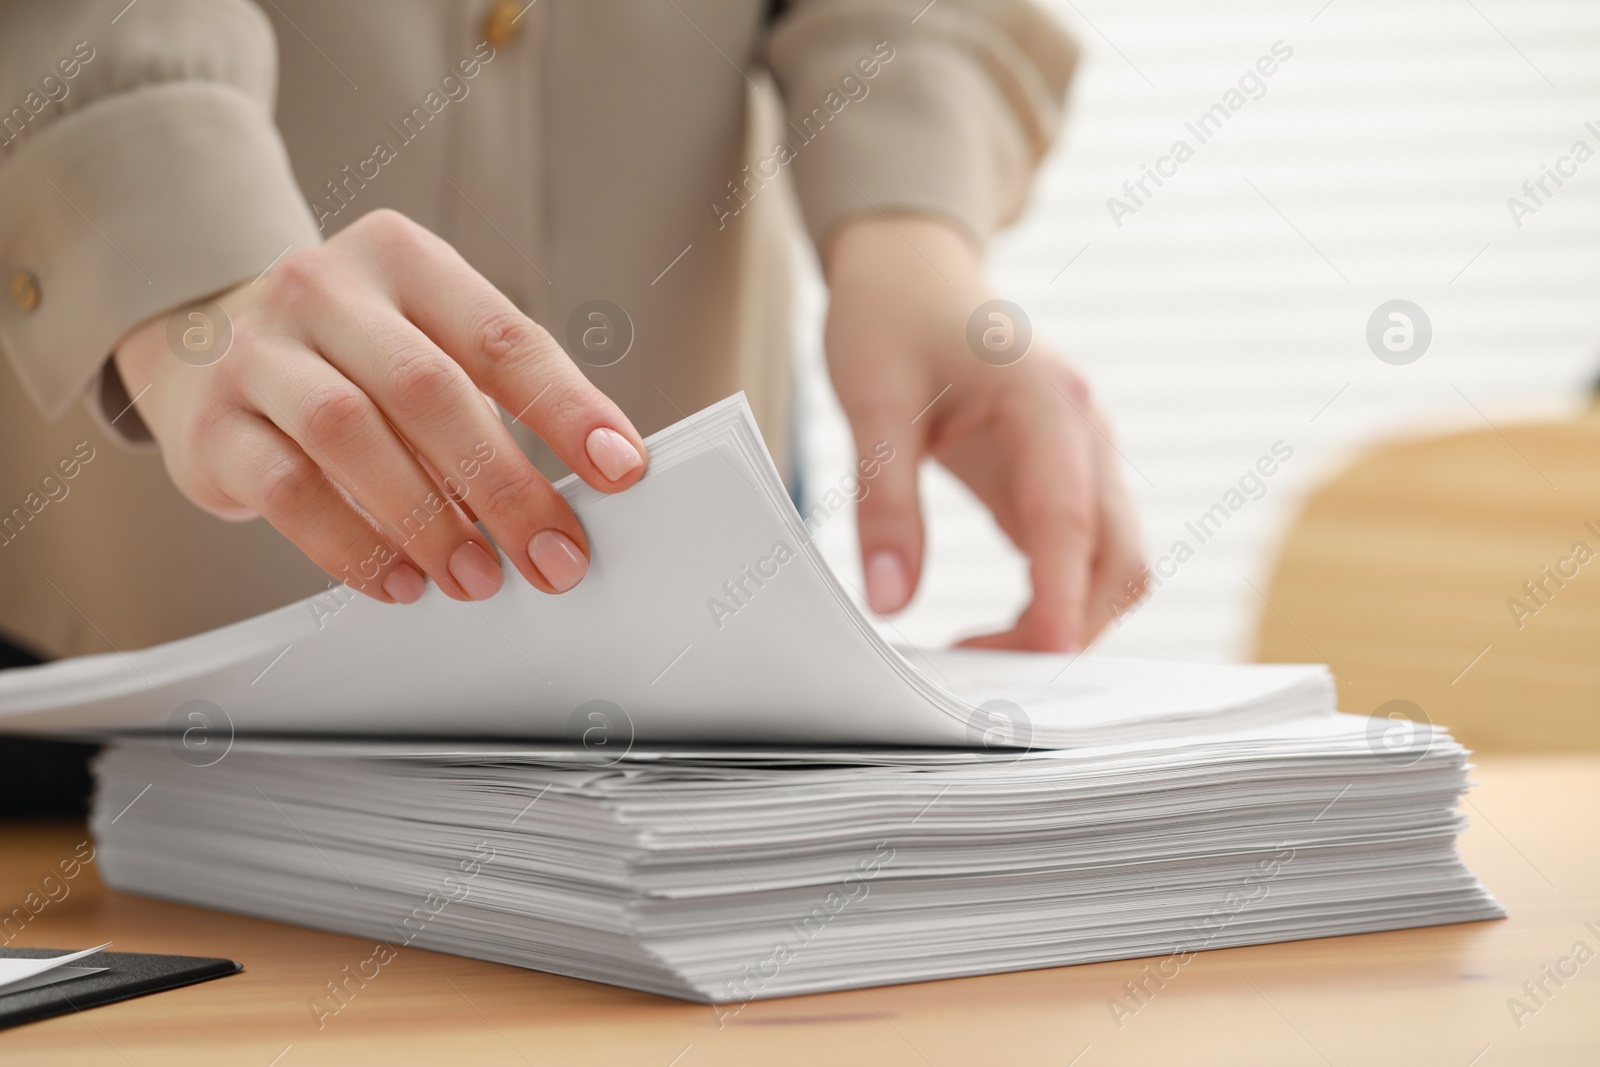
(139,169)
(947,112)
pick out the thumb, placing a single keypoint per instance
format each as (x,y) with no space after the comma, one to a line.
(889,511)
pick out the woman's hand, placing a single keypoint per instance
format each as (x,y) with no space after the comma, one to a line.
(1015,424)
(349,410)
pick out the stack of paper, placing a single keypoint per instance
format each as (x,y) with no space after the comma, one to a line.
(731,875)
(703,773)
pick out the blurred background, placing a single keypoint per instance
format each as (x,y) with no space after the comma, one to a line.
(1230,311)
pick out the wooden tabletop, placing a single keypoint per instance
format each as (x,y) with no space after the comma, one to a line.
(1416,997)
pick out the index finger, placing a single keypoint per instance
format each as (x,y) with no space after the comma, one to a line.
(507,354)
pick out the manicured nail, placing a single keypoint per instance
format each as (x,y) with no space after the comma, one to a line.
(476,571)
(404,584)
(557,558)
(613,453)
(888,583)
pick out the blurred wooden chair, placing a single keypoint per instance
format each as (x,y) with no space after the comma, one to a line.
(1404,573)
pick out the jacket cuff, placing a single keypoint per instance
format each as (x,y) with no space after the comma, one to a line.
(953,123)
(128,208)
(112,412)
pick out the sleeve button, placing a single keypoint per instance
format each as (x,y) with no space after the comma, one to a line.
(500,25)
(25,290)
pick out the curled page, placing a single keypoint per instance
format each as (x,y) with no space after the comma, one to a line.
(707,616)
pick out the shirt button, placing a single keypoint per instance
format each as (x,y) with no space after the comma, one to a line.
(500,25)
(25,290)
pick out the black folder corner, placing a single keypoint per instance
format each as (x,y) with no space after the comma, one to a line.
(130,974)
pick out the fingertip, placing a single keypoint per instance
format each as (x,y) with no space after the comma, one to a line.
(404,584)
(1033,634)
(1015,639)
(1064,637)
(560,561)
(888,581)
(1050,633)
(613,455)
(476,570)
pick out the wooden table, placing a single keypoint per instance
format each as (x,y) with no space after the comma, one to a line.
(1415,997)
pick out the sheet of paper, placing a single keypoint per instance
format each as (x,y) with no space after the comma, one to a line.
(55,977)
(17,973)
(706,616)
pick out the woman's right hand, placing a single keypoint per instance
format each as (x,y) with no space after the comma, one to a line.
(349,411)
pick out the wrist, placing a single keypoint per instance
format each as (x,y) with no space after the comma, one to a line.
(866,246)
(146,351)
(150,356)
(135,356)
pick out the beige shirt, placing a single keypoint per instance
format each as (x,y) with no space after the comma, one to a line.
(641,152)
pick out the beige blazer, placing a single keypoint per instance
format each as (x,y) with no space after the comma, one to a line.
(641,152)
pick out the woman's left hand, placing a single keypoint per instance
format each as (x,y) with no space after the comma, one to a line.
(922,358)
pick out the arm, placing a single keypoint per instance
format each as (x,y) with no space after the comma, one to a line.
(150,176)
(340,393)
(947,118)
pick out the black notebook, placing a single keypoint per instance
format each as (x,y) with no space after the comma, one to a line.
(127,975)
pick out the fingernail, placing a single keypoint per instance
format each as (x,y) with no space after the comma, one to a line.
(476,571)
(558,559)
(888,584)
(613,453)
(404,584)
